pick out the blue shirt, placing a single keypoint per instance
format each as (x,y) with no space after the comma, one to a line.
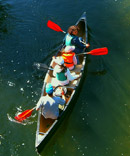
(50,106)
(76,41)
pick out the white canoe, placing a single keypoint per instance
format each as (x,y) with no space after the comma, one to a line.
(47,127)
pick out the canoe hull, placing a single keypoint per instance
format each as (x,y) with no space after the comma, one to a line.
(42,139)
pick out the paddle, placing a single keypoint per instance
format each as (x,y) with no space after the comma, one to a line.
(98,51)
(22,116)
(54,26)
(41,66)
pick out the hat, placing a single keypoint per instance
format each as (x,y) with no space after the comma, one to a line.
(69,48)
(59,60)
(49,88)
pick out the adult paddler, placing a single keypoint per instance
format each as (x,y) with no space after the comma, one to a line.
(71,39)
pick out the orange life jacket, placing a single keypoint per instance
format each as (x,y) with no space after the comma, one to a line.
(68,59)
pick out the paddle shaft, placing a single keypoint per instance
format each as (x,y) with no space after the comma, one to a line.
(40,66)
(83,53)
(91,53)
(98,51)
(29,111)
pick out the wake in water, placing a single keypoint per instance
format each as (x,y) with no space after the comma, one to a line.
(24,122)
(13,120)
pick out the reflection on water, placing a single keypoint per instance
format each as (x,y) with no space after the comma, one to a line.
(4,15)
(99,73)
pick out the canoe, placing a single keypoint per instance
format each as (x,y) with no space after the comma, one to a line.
(47,127)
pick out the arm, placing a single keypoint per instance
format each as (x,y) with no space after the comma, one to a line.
(79,43)
(39,104)
(61,100)
(55,70)
(63,95)
(71,77)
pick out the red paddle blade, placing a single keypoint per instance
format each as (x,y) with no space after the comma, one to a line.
(99,51)
(54,26)
(24,115)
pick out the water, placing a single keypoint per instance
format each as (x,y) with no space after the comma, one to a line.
(99,124)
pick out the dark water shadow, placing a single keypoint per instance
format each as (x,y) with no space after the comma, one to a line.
(92,39)
(4,18)
(98,73)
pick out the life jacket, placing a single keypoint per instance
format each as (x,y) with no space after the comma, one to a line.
(61,75)
(68,59)
(68,39)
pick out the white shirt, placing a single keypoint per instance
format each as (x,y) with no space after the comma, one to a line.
(70,77)
(50,106)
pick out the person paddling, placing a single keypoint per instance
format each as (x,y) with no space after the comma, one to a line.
(71,38)
(69,57)
(50,104)
(62,73)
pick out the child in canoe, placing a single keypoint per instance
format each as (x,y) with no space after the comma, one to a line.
(69,57)
(62,73)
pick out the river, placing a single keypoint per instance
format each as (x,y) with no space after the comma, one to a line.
(99,124)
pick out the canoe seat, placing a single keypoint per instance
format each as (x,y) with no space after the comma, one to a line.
(77,69)
(42,133)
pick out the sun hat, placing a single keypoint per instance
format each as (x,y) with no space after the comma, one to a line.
(59,60)
(49,88)
(69,48)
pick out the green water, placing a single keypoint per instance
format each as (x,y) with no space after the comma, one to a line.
(99,124)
